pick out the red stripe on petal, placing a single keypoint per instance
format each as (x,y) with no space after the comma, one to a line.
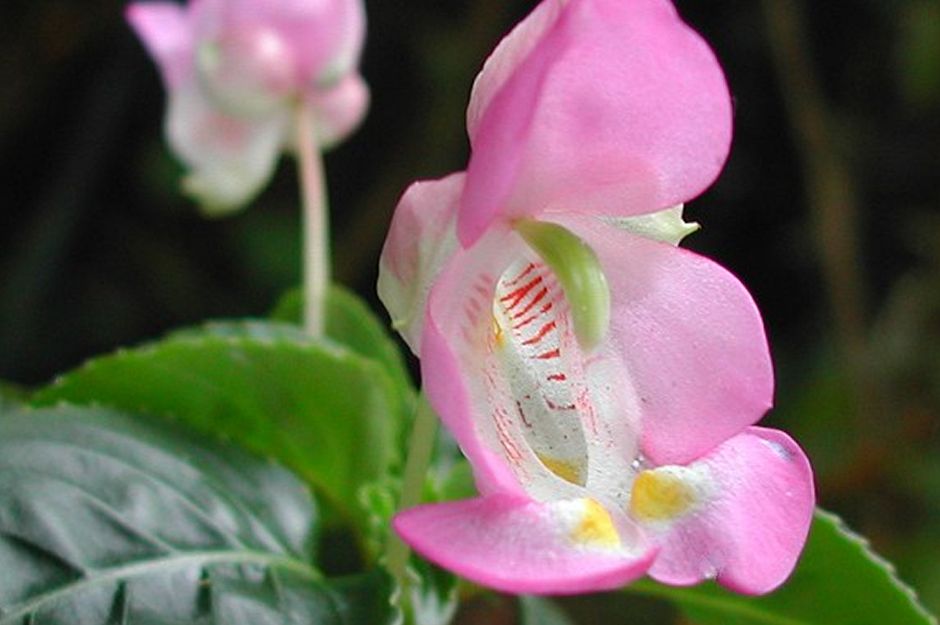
(545,329)
(516,296)
(532,302)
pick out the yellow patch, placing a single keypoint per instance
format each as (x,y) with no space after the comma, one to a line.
(568,471)
(499,337)
(596,527)
(659,496)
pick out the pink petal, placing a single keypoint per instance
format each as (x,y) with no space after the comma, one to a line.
(340,109)
(450,394)
(690,337)
(619,109)
(518,545)
(421,239)
(511,51)
(246,71)
(326,36)
(165,31)
(751,534)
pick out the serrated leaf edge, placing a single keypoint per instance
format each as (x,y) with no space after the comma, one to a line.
(885,564)
(678,594)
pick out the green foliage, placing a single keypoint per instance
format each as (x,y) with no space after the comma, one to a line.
(432,598)
(919,55)
(107,519)
(838,580)
(10,395)
(327,412)
(351,322)
(541,611)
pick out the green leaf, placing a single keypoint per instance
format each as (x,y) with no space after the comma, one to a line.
(541,611)
(328,413)
(351,322)
(108,520)
(432,596)
(290,308)
(838,580)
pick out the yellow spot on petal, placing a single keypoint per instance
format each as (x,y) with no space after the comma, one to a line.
(596,528)
(499,337)
(568,471)
(660,496)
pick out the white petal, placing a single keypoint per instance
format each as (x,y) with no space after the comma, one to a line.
(229,158)
(420,241)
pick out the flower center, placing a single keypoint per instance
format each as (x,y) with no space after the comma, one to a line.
(532,344)
(579,271)
(561,413)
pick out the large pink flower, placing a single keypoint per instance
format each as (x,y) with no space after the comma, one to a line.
(236,69)
(602,382)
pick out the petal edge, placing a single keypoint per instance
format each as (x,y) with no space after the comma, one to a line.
(516,545)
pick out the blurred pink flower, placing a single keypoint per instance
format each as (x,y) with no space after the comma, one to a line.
(235,70)
(602,381)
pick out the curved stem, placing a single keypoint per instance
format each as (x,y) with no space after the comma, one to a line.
(832,196)
(316,241)
(420,450)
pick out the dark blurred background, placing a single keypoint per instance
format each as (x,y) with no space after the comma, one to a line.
(827,210)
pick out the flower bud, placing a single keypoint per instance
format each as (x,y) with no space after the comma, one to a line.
(248,71)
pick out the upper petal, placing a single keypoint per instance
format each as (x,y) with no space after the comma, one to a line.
(753,523)
(229,158)
(505,59)
(326,36)
(691,339)
(521,546)
(421,239)
(618,108)
(165,30)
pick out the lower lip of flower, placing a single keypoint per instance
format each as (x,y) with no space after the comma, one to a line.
(564,418)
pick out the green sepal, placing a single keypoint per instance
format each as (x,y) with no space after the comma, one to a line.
(580,274)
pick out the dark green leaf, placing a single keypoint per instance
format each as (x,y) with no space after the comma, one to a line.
(432,598)
(328,413)
(838,580)
(107,520)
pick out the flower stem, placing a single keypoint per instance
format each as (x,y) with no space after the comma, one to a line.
(316,241)
(420,449)
(833,199)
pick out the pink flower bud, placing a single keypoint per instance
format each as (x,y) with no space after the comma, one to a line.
(234,72)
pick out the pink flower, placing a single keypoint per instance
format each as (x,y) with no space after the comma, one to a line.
(602,382)
(236,69)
